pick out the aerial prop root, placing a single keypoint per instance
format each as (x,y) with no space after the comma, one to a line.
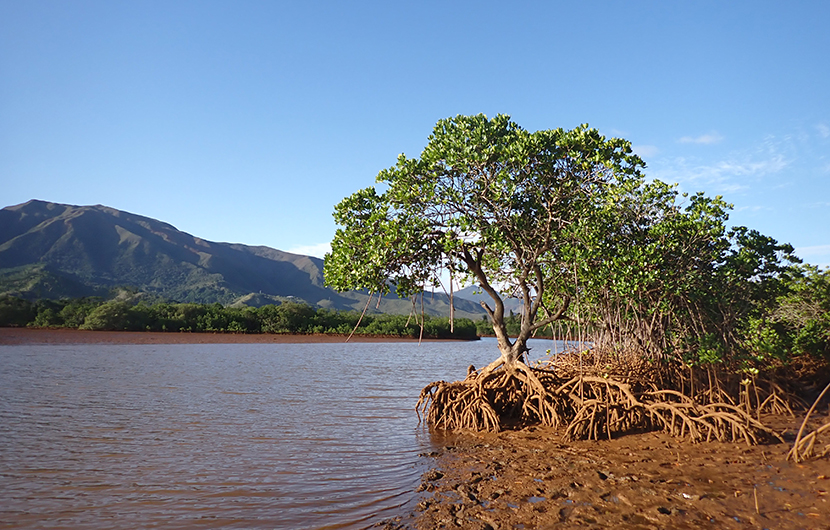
(589,407)
(758,395)
(486,401)
(605,407)
(775,403)
(804,446)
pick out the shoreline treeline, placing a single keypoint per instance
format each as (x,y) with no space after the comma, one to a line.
(791,320)
(287,318)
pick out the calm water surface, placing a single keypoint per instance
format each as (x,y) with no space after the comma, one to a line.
(205,436)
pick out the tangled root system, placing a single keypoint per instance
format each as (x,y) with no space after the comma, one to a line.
(804,446)
(593,398)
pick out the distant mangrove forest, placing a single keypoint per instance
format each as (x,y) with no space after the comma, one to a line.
(93,313)
(286,318)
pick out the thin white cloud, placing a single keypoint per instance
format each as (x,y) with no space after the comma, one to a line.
(823,130)
(705,139)
(752,167)
(318,251)
(817,255)
(816,250)
(753,209)
(729,175)
(736,172)
(645,151)
(732,187)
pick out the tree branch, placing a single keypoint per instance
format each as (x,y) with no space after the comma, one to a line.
(557,316)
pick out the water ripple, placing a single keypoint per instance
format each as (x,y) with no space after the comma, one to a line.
(210,436)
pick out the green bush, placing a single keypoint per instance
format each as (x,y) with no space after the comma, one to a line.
(16,312)
(109,316)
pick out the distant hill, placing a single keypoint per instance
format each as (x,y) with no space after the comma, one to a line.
(475,294)
(50,250)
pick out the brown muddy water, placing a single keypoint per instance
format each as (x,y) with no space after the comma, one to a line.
(287,436)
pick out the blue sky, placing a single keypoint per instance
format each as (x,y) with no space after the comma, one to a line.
(247,121)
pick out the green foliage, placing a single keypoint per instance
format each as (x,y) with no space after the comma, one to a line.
(117,315)
(288,318)
(707,349)
(45,313)
(16,311)
(801,316)
(488,201)
(47,317)
(112,315)
(563,217)
(764,340)
(483,327)
(661,274)
(74,311)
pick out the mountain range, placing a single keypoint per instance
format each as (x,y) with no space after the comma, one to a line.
(51,250)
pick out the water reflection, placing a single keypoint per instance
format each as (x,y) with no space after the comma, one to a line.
(208,436)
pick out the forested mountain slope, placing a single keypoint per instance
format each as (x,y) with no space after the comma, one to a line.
(50,250)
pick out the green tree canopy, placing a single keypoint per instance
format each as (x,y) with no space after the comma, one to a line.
(660,274)
(559,215)
(488,201)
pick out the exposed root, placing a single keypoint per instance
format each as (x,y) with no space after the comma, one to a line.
(804,447)
(706,422)
(775,403)
(587,406)
(458,406)
(616,409)
(488,401)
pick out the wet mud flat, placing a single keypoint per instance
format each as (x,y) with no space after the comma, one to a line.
(534,479)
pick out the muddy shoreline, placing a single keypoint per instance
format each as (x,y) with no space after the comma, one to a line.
(535,479)
(10,336)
